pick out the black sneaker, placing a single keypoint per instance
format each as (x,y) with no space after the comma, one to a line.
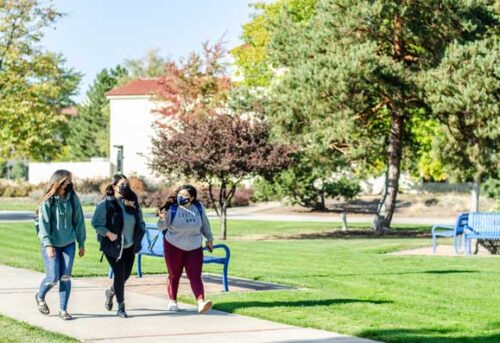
(121,311)
(108,304)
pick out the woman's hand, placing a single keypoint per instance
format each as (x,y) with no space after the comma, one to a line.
(81,252)
(112,236)
(210,246)
(51,251)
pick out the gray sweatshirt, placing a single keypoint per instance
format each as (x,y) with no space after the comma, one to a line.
(188,228)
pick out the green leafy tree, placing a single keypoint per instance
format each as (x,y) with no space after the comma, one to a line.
(204,137)
(252,58)
(89,130)
(464,93)
(152,64)
(352,77)
(34,84)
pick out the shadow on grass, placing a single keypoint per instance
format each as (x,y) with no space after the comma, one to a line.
(427,335)
(231,306)
(436,272)
(357,234)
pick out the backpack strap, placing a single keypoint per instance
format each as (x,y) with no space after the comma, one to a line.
(72,201)
(173,212)
(52,217)
(199,207)
(109,213)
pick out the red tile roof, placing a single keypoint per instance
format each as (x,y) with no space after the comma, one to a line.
(137,87)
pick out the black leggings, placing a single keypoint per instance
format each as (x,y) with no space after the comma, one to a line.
(121,270)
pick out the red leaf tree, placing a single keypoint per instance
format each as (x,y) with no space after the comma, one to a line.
(201,137)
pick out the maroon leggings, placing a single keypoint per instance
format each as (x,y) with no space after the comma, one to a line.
(178,259)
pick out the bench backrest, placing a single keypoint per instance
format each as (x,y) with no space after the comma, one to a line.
(461,223)
(485,223)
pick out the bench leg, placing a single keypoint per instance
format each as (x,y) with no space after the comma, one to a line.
(466,248)
(455,247)
(224,278)
(434,244)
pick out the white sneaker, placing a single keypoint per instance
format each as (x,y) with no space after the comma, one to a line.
(172,306)
(204,306)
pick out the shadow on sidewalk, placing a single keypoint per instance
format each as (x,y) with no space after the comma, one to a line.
(131,314)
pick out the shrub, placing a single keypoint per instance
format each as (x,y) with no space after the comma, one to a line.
(242,196)
(20,170)
(91,185)
(14,188)
(89,199)
(137,184)
(342,188)
(156,198)
(491,188)
(264,190)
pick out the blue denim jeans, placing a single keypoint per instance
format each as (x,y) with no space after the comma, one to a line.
(58,269)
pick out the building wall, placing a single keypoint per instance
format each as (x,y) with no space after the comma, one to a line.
(132,118)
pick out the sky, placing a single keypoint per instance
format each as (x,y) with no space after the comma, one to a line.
(98,34)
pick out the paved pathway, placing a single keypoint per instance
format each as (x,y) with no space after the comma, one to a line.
(149,321)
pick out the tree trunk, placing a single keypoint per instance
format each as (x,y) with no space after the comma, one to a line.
(382,221)
(223,222)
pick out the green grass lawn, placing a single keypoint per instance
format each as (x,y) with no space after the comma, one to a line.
(14,331)
(345,285)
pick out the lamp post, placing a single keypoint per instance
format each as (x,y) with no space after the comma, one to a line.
(119,159)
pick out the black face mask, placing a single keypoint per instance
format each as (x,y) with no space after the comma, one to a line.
(69,188)
(124,189)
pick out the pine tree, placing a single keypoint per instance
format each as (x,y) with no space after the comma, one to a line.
(352,79)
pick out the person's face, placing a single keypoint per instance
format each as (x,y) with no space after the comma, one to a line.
(185,194)
(122,184)
(64,185)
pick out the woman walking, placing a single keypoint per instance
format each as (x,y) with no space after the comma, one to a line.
(60,223)
(185,223)
(120,227)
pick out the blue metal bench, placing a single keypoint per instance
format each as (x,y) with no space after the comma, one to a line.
(455,231)
(481,225)
(152,245)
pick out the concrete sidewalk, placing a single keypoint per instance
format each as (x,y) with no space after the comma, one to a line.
(148,319)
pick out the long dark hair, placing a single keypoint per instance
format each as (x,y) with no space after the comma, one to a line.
(55,183)
(172,199)
(130,196)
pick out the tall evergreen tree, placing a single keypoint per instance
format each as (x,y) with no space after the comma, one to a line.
(352,78)
(464,94)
